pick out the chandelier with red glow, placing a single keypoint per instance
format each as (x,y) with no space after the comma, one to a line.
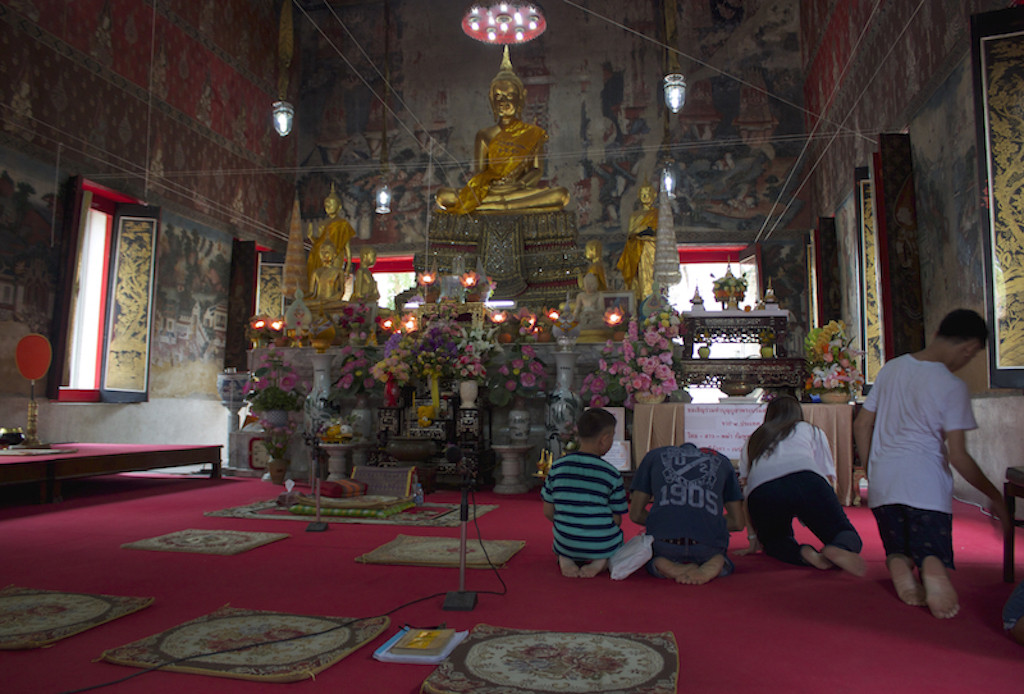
(504,22)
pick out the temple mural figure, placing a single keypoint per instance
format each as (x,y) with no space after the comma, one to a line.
(507,158)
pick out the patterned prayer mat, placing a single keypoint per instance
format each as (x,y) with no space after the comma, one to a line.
(427,515)
(198,646)
(224,542)
(31,618)
(496,660)
(442,551)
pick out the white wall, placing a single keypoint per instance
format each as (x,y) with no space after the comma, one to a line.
(997,443)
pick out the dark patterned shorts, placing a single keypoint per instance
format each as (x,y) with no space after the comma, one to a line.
(916,533)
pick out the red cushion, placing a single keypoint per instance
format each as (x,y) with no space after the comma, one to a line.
(343,488)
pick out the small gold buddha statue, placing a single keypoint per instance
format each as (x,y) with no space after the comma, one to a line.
(594,251)
(364,287)
(507,159)
(637,260)
(334,229)
(327,282)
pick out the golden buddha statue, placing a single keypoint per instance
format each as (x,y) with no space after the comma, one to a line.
(507,159)
(334,229)
(364,287)
(327,283)
(637,260)
(594,251)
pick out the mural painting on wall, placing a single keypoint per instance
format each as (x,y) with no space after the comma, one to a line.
(28,264)
(871,318)
(785,264)
(1003,57)
(945,154)
(602,107)
(190,307)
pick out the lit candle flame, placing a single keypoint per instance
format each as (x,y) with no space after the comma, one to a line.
(499,317)
(613,317)
(469,280)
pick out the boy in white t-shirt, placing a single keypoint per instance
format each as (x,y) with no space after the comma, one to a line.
(909,432)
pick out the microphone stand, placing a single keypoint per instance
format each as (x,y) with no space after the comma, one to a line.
(461,599)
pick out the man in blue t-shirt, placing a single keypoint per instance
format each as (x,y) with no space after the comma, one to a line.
(688,488)
(585,500)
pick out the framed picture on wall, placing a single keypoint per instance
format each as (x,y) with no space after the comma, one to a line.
(872,305)
(997,46)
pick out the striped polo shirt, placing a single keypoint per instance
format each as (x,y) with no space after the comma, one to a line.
(586,491)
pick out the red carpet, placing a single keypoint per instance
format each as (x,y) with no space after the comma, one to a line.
(767,628)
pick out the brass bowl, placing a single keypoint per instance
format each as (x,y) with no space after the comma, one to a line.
(11,436)
(736,388)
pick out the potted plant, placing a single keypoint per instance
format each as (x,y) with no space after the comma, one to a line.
(274,392)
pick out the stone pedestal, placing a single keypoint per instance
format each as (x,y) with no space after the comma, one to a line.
(343,457)
(512,465)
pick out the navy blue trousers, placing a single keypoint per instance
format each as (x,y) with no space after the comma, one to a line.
(808,497)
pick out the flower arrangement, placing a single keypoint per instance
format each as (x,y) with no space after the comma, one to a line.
(521,375)
(830,360)
(276,438)
(356,320)
(527,322)
(275,385)
(435,352)
(476,347)
(396,366)
(641,364)
(666,322)
(355,375)
(729,287)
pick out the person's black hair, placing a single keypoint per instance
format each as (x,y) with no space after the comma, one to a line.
(962,325)
(782,414)
(595,422)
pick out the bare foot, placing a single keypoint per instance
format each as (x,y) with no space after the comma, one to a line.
(591,569)
(815,558)
(908,589)
(568,567)
(939,592)
(707,571)
(845,559)
(670,569)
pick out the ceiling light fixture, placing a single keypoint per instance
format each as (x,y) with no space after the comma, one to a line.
(504,22)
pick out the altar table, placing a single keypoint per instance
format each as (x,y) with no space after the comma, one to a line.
(75,460)
(665,425)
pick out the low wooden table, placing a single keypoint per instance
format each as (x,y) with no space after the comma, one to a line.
(76,460)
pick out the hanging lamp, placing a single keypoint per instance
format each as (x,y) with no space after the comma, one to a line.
(283,112)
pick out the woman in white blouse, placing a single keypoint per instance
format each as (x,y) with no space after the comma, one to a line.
(787,472)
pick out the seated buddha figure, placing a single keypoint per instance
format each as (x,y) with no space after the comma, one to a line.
(364,287)
(335,230)
(594,250)
(327,283)
(637,260)
(507,159)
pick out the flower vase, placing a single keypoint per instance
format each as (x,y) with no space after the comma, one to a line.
(468,390)
(316,406)
(362,418)
(277,469)
(518,422)
(835,397)
(564,404)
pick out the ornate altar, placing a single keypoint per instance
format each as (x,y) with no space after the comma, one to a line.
(736,326)
(532,257)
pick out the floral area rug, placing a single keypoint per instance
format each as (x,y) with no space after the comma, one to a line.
(251,645)
(427,515)
(31,618)
(496,660)
(224,542)
(442,551)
